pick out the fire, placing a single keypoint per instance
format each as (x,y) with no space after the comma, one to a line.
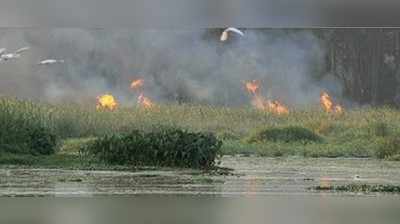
(326,102)
(106,102)
(261,103)
(137,84)
(253,86)
(277,108)
(338,109)
(328,105)
(144,101)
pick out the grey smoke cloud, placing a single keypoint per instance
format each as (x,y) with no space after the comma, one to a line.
(184,14)
(177,65)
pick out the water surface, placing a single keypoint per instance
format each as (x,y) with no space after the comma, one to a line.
(250,176)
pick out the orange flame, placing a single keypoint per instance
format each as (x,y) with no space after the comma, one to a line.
(253,86)
(260,103)
(145,102)
(137,84)
(106,102)
(328,105)
(338,109)
(326,102)
(277,108)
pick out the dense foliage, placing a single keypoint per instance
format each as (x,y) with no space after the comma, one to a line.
(390,149)
(165,147)
(23,132)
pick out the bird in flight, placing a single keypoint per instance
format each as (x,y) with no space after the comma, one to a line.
(50,62)
(225,34)
(5,56)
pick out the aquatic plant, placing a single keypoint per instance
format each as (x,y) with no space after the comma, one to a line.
(164,147)
(364,188)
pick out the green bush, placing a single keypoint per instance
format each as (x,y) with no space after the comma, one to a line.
(380,129)
(165,147)
(389,148)
(286,134)
(41,140)
(22,131)
(30,140)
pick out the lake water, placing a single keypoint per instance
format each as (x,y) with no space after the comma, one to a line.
(259,190)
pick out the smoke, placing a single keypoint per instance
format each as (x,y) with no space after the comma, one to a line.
(177,66)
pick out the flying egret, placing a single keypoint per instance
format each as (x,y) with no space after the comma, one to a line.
(50,62)
(19,51)
(225,34)
(4,56)
(9,56)
(2,51)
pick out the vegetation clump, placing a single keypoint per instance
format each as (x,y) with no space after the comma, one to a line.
(22,132)
(389,149)
(33,128)
(165,147)
(286,134)
(364,188)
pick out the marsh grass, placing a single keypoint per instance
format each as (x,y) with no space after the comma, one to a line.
(165,147)
(360,132)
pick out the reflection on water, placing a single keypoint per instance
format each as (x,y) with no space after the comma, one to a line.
(260,190)
(251,176)
(202,209)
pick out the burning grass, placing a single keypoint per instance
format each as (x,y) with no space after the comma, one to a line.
(106,102)
(367,132)
(261,103)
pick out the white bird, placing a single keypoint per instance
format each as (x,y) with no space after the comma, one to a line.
(19,51)
(50,62)
(9,56)
(2,50)
(356,177)
(4,56)
(225,34)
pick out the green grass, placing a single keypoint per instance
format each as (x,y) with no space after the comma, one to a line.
(359,132)
(165,147)
(45,161)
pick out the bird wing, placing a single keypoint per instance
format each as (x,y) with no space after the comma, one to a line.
(233,29)
(224,36)
(47,62)
(22,50)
